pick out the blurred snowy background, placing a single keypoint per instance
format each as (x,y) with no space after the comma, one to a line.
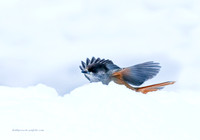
(43,41)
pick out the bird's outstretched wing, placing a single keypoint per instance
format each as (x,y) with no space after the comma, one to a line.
(138,74)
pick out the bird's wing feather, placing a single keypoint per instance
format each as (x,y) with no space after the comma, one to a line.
(138,74)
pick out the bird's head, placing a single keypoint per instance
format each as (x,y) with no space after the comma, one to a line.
(95,72)
(95,69)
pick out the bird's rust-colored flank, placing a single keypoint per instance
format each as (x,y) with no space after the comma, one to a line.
(117,77)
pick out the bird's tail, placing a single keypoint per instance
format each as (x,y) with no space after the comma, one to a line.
(154,87)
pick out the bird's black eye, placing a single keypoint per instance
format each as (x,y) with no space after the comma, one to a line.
(92,69)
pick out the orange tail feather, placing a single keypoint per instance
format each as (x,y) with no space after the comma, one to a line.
(154,87)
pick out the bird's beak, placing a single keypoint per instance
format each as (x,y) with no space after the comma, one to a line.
(84,71)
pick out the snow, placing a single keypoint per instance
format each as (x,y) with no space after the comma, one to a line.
(96,111)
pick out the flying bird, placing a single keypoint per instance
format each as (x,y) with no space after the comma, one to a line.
(105,71)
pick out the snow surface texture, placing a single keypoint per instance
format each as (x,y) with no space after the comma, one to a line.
(44,41)
(98,112)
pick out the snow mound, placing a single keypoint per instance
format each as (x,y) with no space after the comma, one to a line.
(96,111)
